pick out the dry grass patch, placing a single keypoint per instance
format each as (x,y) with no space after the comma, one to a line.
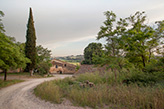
(49,92)
(102,94)
(9,82)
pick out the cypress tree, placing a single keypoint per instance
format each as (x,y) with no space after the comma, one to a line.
(30,45)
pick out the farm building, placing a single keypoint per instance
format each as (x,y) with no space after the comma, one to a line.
(59,66)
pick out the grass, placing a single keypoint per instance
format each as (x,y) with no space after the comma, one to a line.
(75,63)
(8,83)
(24,74)
(45,88)
(108,91)
(16,73)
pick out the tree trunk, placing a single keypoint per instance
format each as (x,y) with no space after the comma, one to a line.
(5,74)
(143,61)
(31,72)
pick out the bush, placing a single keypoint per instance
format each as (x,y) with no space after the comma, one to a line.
(43,68)
(155,65)
(77,67)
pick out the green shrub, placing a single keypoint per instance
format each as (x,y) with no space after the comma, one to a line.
(77,67)
(155,65)
(142,78)
(43,68)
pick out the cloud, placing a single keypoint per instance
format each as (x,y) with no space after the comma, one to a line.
(62,24)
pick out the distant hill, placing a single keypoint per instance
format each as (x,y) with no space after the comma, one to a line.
(72,58)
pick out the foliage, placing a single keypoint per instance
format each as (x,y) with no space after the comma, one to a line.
(43,67)
(90,50)
(112,34)
(43,60)
(130,41)
(77,67)
(155,65)
(30,45)
(10,54)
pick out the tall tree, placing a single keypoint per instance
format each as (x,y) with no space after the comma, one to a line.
(30,45)
(112,30)
(139,40)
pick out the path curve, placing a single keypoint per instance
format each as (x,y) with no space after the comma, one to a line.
(20,96)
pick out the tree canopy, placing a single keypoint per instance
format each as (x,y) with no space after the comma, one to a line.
(90,50)
(130,39)
(10,56)
(43,59)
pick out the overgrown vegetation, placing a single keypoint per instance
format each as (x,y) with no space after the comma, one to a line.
(109,90)
(43,60)
(8,83)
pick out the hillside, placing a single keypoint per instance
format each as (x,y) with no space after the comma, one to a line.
(72,58)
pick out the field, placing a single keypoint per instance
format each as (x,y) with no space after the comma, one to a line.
(72,59)
(106,91)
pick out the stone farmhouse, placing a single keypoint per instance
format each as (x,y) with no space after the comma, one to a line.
(61,67)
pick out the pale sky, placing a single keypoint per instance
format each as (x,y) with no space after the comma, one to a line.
(66,27)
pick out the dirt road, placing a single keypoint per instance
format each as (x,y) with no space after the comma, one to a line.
(20,96)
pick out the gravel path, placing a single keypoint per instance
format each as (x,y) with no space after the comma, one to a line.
(20,96)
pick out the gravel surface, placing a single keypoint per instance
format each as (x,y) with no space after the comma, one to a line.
(20,96)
